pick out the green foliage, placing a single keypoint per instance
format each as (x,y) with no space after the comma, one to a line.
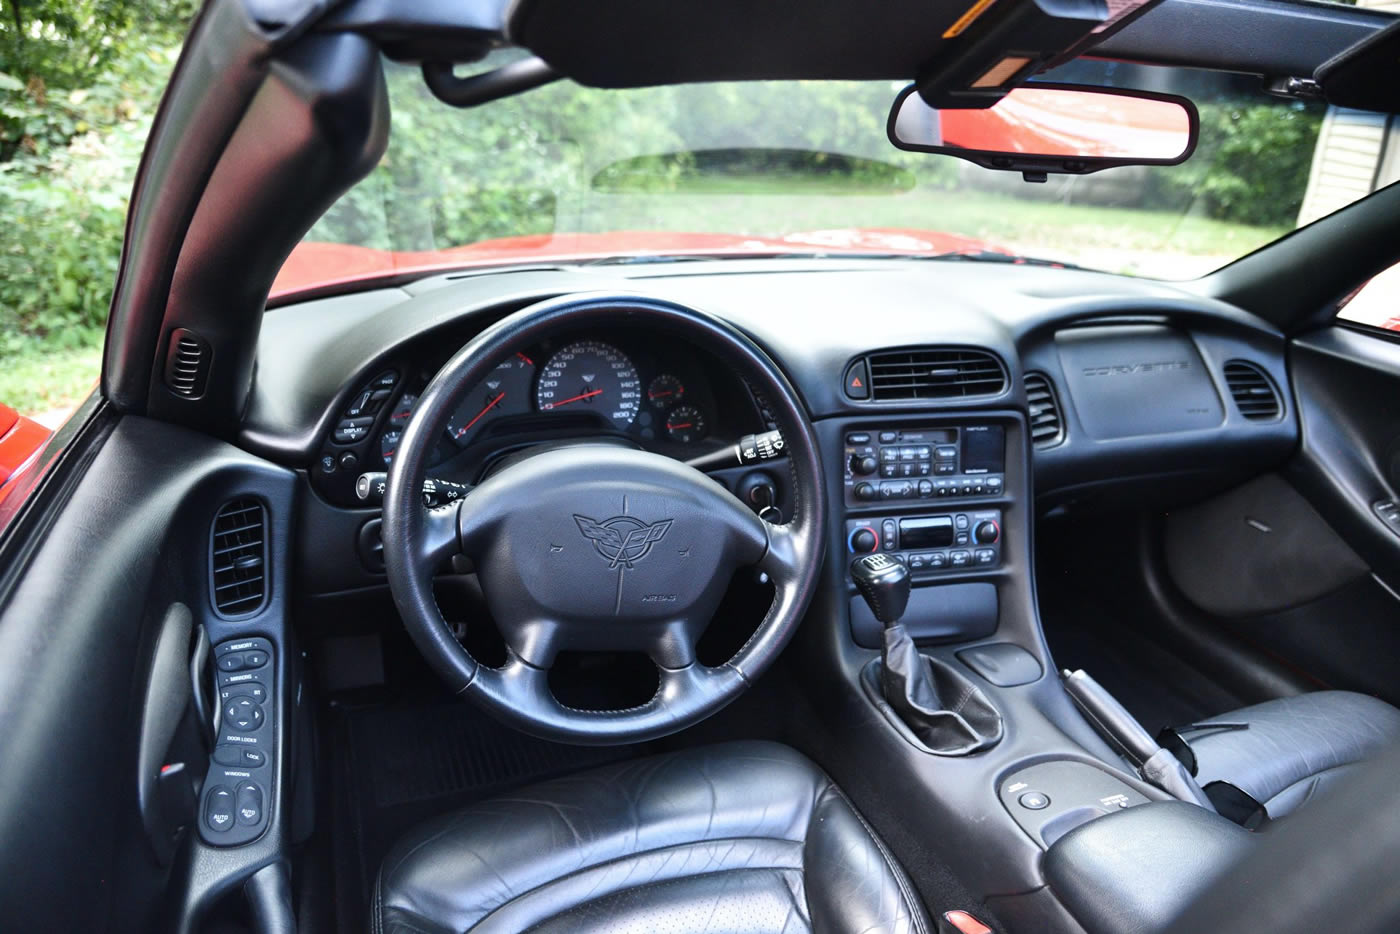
(1251,165)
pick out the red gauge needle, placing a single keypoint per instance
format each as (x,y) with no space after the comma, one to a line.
(583,395)
(658,395)
(489,406)
(680,426)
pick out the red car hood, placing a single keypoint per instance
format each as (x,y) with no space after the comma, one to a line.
(314,266)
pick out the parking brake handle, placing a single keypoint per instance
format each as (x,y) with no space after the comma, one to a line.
(1156,765)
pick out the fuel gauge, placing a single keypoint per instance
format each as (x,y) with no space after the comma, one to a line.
(665,391)
(685,424)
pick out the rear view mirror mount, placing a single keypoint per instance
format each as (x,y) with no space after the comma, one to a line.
(1044,128)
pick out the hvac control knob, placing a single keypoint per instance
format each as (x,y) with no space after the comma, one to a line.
(864,540)
(986,533)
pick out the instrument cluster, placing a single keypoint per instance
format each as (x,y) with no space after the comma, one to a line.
(622,384)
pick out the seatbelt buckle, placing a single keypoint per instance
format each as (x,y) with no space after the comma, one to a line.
(960,922)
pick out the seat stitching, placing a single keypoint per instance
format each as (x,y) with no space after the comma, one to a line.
(642,853)
(633,888)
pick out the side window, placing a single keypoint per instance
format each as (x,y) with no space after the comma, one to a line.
(1376,303)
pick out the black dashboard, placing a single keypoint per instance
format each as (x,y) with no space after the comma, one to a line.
(1122,387)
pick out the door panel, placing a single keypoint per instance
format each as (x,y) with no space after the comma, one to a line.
(80,633)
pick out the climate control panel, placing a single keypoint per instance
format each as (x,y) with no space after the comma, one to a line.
(953,542)
(916,463)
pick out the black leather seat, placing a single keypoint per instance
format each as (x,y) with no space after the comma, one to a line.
(1293,746)
(745,836)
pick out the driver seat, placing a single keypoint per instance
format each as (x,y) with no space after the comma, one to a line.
(742,836)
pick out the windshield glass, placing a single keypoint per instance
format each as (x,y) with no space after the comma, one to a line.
(572,173)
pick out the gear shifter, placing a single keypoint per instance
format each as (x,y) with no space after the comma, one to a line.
(914,685)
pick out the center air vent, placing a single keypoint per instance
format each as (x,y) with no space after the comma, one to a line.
(1253,392)
(239,557)
(1047,429)
(934,374)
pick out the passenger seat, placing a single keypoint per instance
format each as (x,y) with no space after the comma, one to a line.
(1292,747)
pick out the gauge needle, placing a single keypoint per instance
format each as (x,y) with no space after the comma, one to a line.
(658,395)
(489,406)
(582,395)
(680,426)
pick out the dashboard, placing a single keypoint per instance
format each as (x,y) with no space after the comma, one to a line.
(626,384)
(1139,376)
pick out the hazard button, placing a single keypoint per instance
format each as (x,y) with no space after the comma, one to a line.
(857,381)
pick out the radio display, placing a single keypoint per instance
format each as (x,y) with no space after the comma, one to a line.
(983,449)
(926,532)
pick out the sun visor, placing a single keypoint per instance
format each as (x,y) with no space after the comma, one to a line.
(996,45)
(1367,75)
(965,53)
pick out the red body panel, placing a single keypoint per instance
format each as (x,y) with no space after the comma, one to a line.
(322,265)
(20,440)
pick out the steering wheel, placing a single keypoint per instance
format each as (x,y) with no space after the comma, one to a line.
(598,546)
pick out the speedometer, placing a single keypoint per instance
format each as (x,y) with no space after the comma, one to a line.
(591,376)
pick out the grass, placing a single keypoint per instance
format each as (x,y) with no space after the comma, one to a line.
(38,380)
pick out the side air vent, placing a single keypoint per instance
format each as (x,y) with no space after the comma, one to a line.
(238,557)
(931,373)
(1047,429)
(187,364)
(1253,392)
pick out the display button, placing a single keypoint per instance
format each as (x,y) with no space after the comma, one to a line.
(1034,801)
(857,381)
(350,430)
(249,804)
(218,813)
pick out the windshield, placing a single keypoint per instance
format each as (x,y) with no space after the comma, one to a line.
(572,173)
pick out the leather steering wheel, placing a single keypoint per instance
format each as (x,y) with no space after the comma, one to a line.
(598,546)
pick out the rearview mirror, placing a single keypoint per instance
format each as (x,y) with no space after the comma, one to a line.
(1041,128)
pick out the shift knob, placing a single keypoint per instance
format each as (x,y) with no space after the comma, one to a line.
(884,583)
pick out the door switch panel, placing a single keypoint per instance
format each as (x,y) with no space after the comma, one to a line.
(238,790)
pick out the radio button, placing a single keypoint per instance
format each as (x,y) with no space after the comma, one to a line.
(889,455)
(925,488)
(946,468)
(994,484)
(946,454)
(889,470)
(858,438)
(889,437)
(908,454)
(866,491)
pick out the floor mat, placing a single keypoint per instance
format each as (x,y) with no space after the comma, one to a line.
(401,765)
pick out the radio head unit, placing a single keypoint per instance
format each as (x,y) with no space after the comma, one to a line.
(925,463)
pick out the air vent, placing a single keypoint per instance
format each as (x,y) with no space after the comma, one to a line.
(1253,392)
(187,364)
(239,557)
(1046,427)
(934,374)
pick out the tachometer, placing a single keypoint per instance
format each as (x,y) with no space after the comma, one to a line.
(665,391)
(591,376)
(506,391)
